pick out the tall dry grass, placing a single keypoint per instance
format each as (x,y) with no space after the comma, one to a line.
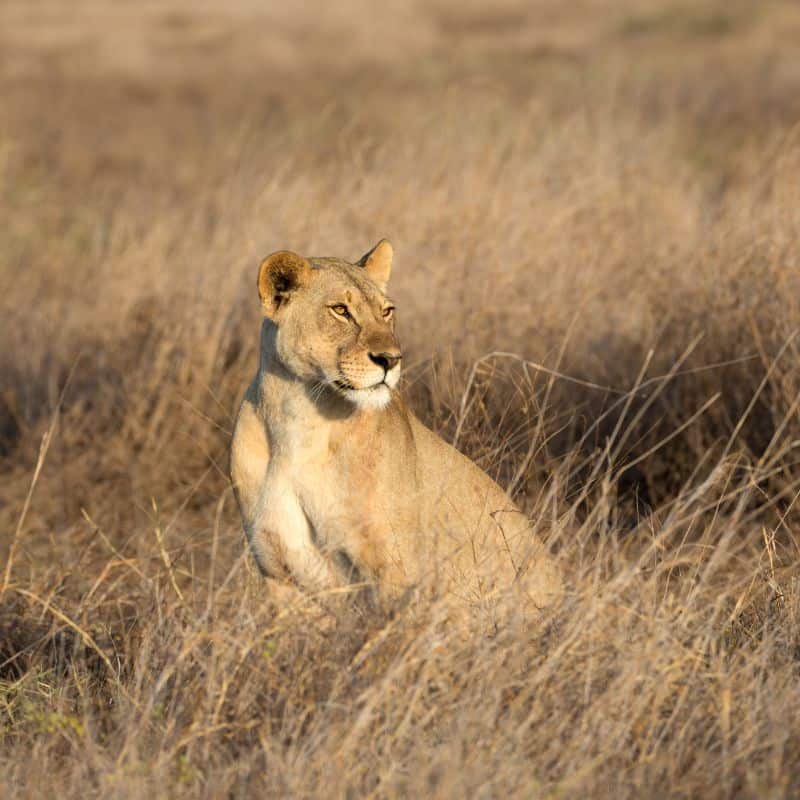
(596,216)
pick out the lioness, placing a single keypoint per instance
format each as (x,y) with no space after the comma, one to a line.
(337,481)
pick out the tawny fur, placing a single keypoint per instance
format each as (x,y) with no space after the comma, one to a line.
(337,480)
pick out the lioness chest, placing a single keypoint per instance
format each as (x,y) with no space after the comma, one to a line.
(326,488)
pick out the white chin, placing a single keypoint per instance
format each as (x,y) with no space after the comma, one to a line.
(375,397)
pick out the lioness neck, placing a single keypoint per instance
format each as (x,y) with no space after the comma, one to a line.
(301,417)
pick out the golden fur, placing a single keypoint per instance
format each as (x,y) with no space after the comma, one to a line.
(337,481)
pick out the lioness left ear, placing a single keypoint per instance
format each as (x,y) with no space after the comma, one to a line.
(279,276)
(378,262)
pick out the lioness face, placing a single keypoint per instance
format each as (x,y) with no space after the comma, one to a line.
(335,325)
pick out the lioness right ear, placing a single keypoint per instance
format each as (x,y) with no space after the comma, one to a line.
(279,276)
(378,263)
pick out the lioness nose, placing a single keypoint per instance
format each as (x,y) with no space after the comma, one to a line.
(385,360)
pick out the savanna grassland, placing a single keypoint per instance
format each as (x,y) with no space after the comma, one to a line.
(595,209)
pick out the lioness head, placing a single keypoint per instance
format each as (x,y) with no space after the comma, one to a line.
(335,325)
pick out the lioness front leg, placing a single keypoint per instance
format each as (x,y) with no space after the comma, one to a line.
(376,557)
(249,459)
(283,543)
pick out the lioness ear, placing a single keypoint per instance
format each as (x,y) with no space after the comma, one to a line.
(378,262)
(279,276)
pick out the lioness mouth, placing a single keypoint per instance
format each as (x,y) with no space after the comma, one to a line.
(348,387)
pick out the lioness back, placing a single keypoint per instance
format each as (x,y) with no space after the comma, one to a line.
(337,481)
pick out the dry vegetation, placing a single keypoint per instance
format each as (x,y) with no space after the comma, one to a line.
(606,190)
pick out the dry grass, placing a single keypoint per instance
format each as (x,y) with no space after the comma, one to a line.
(607,191)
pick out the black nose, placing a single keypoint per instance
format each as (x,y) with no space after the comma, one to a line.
(385,360)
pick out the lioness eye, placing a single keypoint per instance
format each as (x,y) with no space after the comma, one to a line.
(387,312)
(340,309)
